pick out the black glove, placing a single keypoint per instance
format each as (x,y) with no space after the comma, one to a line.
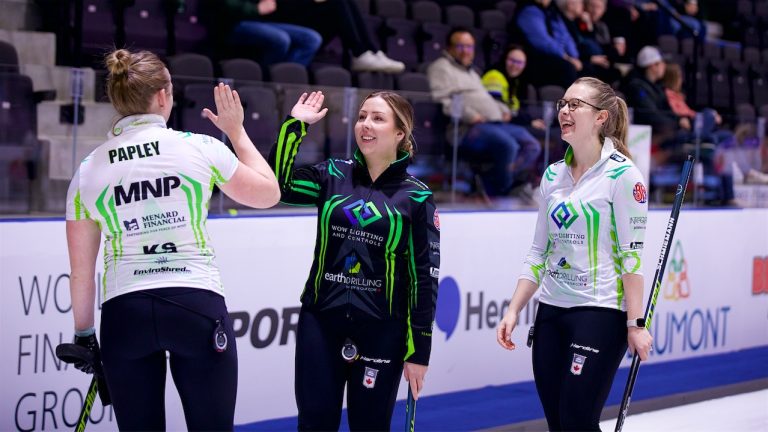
(92,364)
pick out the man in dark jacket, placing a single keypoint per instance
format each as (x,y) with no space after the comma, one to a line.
(647,98)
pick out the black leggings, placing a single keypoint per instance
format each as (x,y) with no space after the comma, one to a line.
(576,353)
(137,330)
(321,373)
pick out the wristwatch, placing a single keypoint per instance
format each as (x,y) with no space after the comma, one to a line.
(637,322)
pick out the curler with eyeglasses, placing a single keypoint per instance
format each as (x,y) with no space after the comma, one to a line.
(594,208)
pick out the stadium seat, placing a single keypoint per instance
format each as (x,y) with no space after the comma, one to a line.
(391,8)
(9,58)
(433,41)
(261,116)
(375,81)
(669,44)
(551,93)
(508,7)
(191,34)
(333,76)
(425,11)
(146,26)
(413,81)
(288,73)
(195,98)
(745,113)
(459,16)
(243,71)
(400,45)
(190,65)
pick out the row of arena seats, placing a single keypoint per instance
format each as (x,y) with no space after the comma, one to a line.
(720,74)
(167,30)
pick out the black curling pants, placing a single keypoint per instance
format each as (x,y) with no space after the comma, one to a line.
(138,329)
(321,373)
(576,352)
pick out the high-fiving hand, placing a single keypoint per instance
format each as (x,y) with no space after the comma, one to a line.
(229,111)
(307,108)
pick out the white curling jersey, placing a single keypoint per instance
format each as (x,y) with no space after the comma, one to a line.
(148,189)
(588,233)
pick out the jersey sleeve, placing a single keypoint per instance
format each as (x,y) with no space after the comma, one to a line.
(76,210)
(533,264)
(424,270)
(223,162)
(300,186)
(630,214)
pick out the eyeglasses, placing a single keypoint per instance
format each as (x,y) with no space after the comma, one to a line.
(573,104)
(516,62)
(464,47)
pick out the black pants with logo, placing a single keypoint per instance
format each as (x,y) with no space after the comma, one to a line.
(576,352)
(136,331)
(372,379)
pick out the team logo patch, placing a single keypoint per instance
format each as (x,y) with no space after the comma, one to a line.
(640,194)
(369,378)
(564,215)
(362,213)
(436,220)
(577,365)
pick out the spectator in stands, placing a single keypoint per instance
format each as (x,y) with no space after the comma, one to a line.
(634,20)
(507,82)
(248,22)
(553,54)
(646,96)
(489,140)
(592,56)
(688,13)
(672,136)
(341,18)
(595,28)
(711,119)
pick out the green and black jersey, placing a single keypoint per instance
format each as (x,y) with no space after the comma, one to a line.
(378,243)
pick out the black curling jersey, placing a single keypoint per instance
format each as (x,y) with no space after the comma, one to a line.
(377,252)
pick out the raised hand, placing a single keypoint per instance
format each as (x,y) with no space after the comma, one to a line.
(307,108)
(229,111)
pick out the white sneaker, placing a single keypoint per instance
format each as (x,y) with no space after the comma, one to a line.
(367,62)
(756,177)
(390,66)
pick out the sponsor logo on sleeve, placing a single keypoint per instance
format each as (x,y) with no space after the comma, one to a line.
(636,245)
(434,247)
(436,220)
(638,222)
(639,192)
(760,275)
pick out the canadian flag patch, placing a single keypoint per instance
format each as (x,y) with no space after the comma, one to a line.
(369,377)
(577,365)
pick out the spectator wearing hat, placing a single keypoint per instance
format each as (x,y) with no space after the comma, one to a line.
(646,96)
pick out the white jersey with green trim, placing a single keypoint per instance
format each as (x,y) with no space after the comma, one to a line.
(588,233)
(148,189)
